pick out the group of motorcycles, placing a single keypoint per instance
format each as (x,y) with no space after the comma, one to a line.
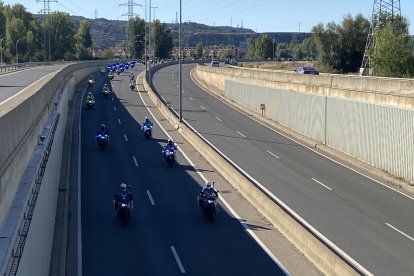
(123,200)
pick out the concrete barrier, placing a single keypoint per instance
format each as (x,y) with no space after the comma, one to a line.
(30,204)
(384,91)
(318,249)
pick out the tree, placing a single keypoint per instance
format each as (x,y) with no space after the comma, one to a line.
(264,47)
(136,33)
(163,40)
(251,48)
(83,40)
(352,37)
(341,47)
(199,49)
(62,34)
(391,56)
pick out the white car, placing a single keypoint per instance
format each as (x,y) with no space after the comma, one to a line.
(215,63)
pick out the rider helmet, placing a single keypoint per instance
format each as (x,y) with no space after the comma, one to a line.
(208,184)
(123,187)
(147,119)
(103,127)
(170,142)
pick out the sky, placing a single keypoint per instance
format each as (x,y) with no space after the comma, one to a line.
(258,15)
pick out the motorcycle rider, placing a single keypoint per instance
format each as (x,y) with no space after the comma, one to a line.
(90,97)
(131,77)
(147,123)
(170,145)
(123,192)
(103,130)
(206,192)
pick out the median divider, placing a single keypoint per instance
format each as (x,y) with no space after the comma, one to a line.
(326,256)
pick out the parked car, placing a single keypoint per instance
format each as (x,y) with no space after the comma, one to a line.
(215,63)
(307,70)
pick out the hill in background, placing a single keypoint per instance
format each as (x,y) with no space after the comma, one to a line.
(110,33)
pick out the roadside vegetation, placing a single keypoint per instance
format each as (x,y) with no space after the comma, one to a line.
(339,48)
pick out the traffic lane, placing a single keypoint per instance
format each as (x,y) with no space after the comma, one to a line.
(109,248)
(163,185)
(317,214)
(12,83)
(375,217)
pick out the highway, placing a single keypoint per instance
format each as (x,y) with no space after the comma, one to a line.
(166,235)
(15,82)
(369,221)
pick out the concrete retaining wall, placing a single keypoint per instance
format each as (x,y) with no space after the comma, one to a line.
(385,91)
(34,108)
(21,121)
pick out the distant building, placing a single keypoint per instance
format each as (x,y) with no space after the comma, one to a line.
(210,52)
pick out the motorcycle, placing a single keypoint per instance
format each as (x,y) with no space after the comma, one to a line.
(208,205)
(91,82)
(105,92)
(90,103)
(102,139)
(169,155)
(123,208)
(147,130)
(111,76)
(132,86)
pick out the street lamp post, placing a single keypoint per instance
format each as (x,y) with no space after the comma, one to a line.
(1,50)
(273,49)
(17,53)
(154,10)
(180,70)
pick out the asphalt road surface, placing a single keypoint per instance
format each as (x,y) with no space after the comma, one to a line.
(167,234)
(369,221)
(12,83)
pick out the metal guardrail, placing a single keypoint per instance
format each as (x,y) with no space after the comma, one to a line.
(25,65)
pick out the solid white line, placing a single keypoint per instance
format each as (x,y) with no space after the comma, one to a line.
(303,145)
(21,91)
(320,183)
(202,107)
(249,231)
(271,153)
(219,119)
(114,108)
(253,235)
(79,230)
(191,98)
(126,138)
(177,259)
(135,161)
(119,121)
(150,197)
(399,231)
(241,134)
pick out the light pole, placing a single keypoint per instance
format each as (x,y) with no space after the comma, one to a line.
(1,50)
(145,30)
(17,54)
(180,71)
(154,10)
(149,34)
(273,49)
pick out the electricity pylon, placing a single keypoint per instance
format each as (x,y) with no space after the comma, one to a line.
(383,12)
